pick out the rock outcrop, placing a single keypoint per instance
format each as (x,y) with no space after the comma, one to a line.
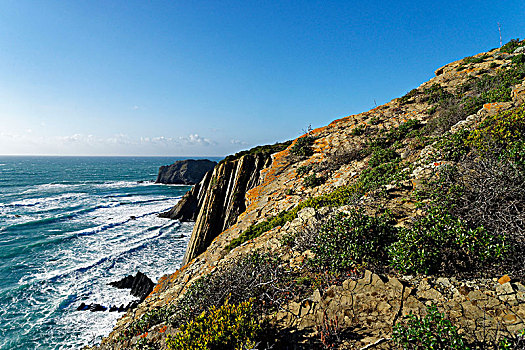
(140,285)
(219,199)
(250,201)
(184,172)
(187,208)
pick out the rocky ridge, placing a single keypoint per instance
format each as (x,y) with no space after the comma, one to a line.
(184,172)
(368,304)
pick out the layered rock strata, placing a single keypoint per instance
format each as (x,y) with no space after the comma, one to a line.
(220,199)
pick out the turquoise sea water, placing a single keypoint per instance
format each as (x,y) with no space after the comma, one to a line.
(69,226)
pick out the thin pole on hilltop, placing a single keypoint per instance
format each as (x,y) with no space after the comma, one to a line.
(499,29)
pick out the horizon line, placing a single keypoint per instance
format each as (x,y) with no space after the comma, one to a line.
(115,155)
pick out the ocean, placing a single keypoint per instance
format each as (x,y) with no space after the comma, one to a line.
(68,227)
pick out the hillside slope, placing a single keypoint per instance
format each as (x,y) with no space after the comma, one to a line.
(415,204)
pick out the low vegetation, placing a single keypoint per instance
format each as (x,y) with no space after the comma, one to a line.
(439,242)
(433,331)
(225,327)
(353,240)
(267,149)
(303,146)
(512,45)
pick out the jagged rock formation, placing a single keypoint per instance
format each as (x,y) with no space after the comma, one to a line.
(220,199)
(368,305)
(140,285)
(187,208)
(184,172)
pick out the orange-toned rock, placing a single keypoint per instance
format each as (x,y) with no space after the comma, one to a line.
(504,279)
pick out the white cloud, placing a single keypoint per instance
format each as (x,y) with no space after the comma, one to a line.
(88,144)
(238,142)
(195,139)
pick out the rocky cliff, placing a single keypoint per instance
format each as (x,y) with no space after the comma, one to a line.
(184,172)
(363,230)
(221,198)
(187,208)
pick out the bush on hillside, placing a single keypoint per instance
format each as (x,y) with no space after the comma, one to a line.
(303,146)
(433,331)
(313,180)
(348,241)
(229,326)
(265,149)
(381,156)
(512,45)
(257,276)
(439,242)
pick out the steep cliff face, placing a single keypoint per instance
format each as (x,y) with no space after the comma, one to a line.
(221,199)
(187,209)
(184,172)
(216,202)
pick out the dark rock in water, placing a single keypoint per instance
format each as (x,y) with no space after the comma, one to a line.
(140,285)
(82,307)
(97,307)
(185,172)
(124,283)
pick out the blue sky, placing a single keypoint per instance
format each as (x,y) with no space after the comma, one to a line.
(210,78)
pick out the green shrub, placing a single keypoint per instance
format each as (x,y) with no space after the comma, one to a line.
(441,242)
(502,132)
(268,149)
(453,146)
(348,241)
(471,59)
(518,59)
(375,120)
(303,146)
(258,229)
(397,134)
(358,130)
(313,180)
(436,93)
(383,174)
(148,319)
(406,98)
(430,332)
(225,327)
(304,169)
(382,155)
(500,94)
(512,45)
